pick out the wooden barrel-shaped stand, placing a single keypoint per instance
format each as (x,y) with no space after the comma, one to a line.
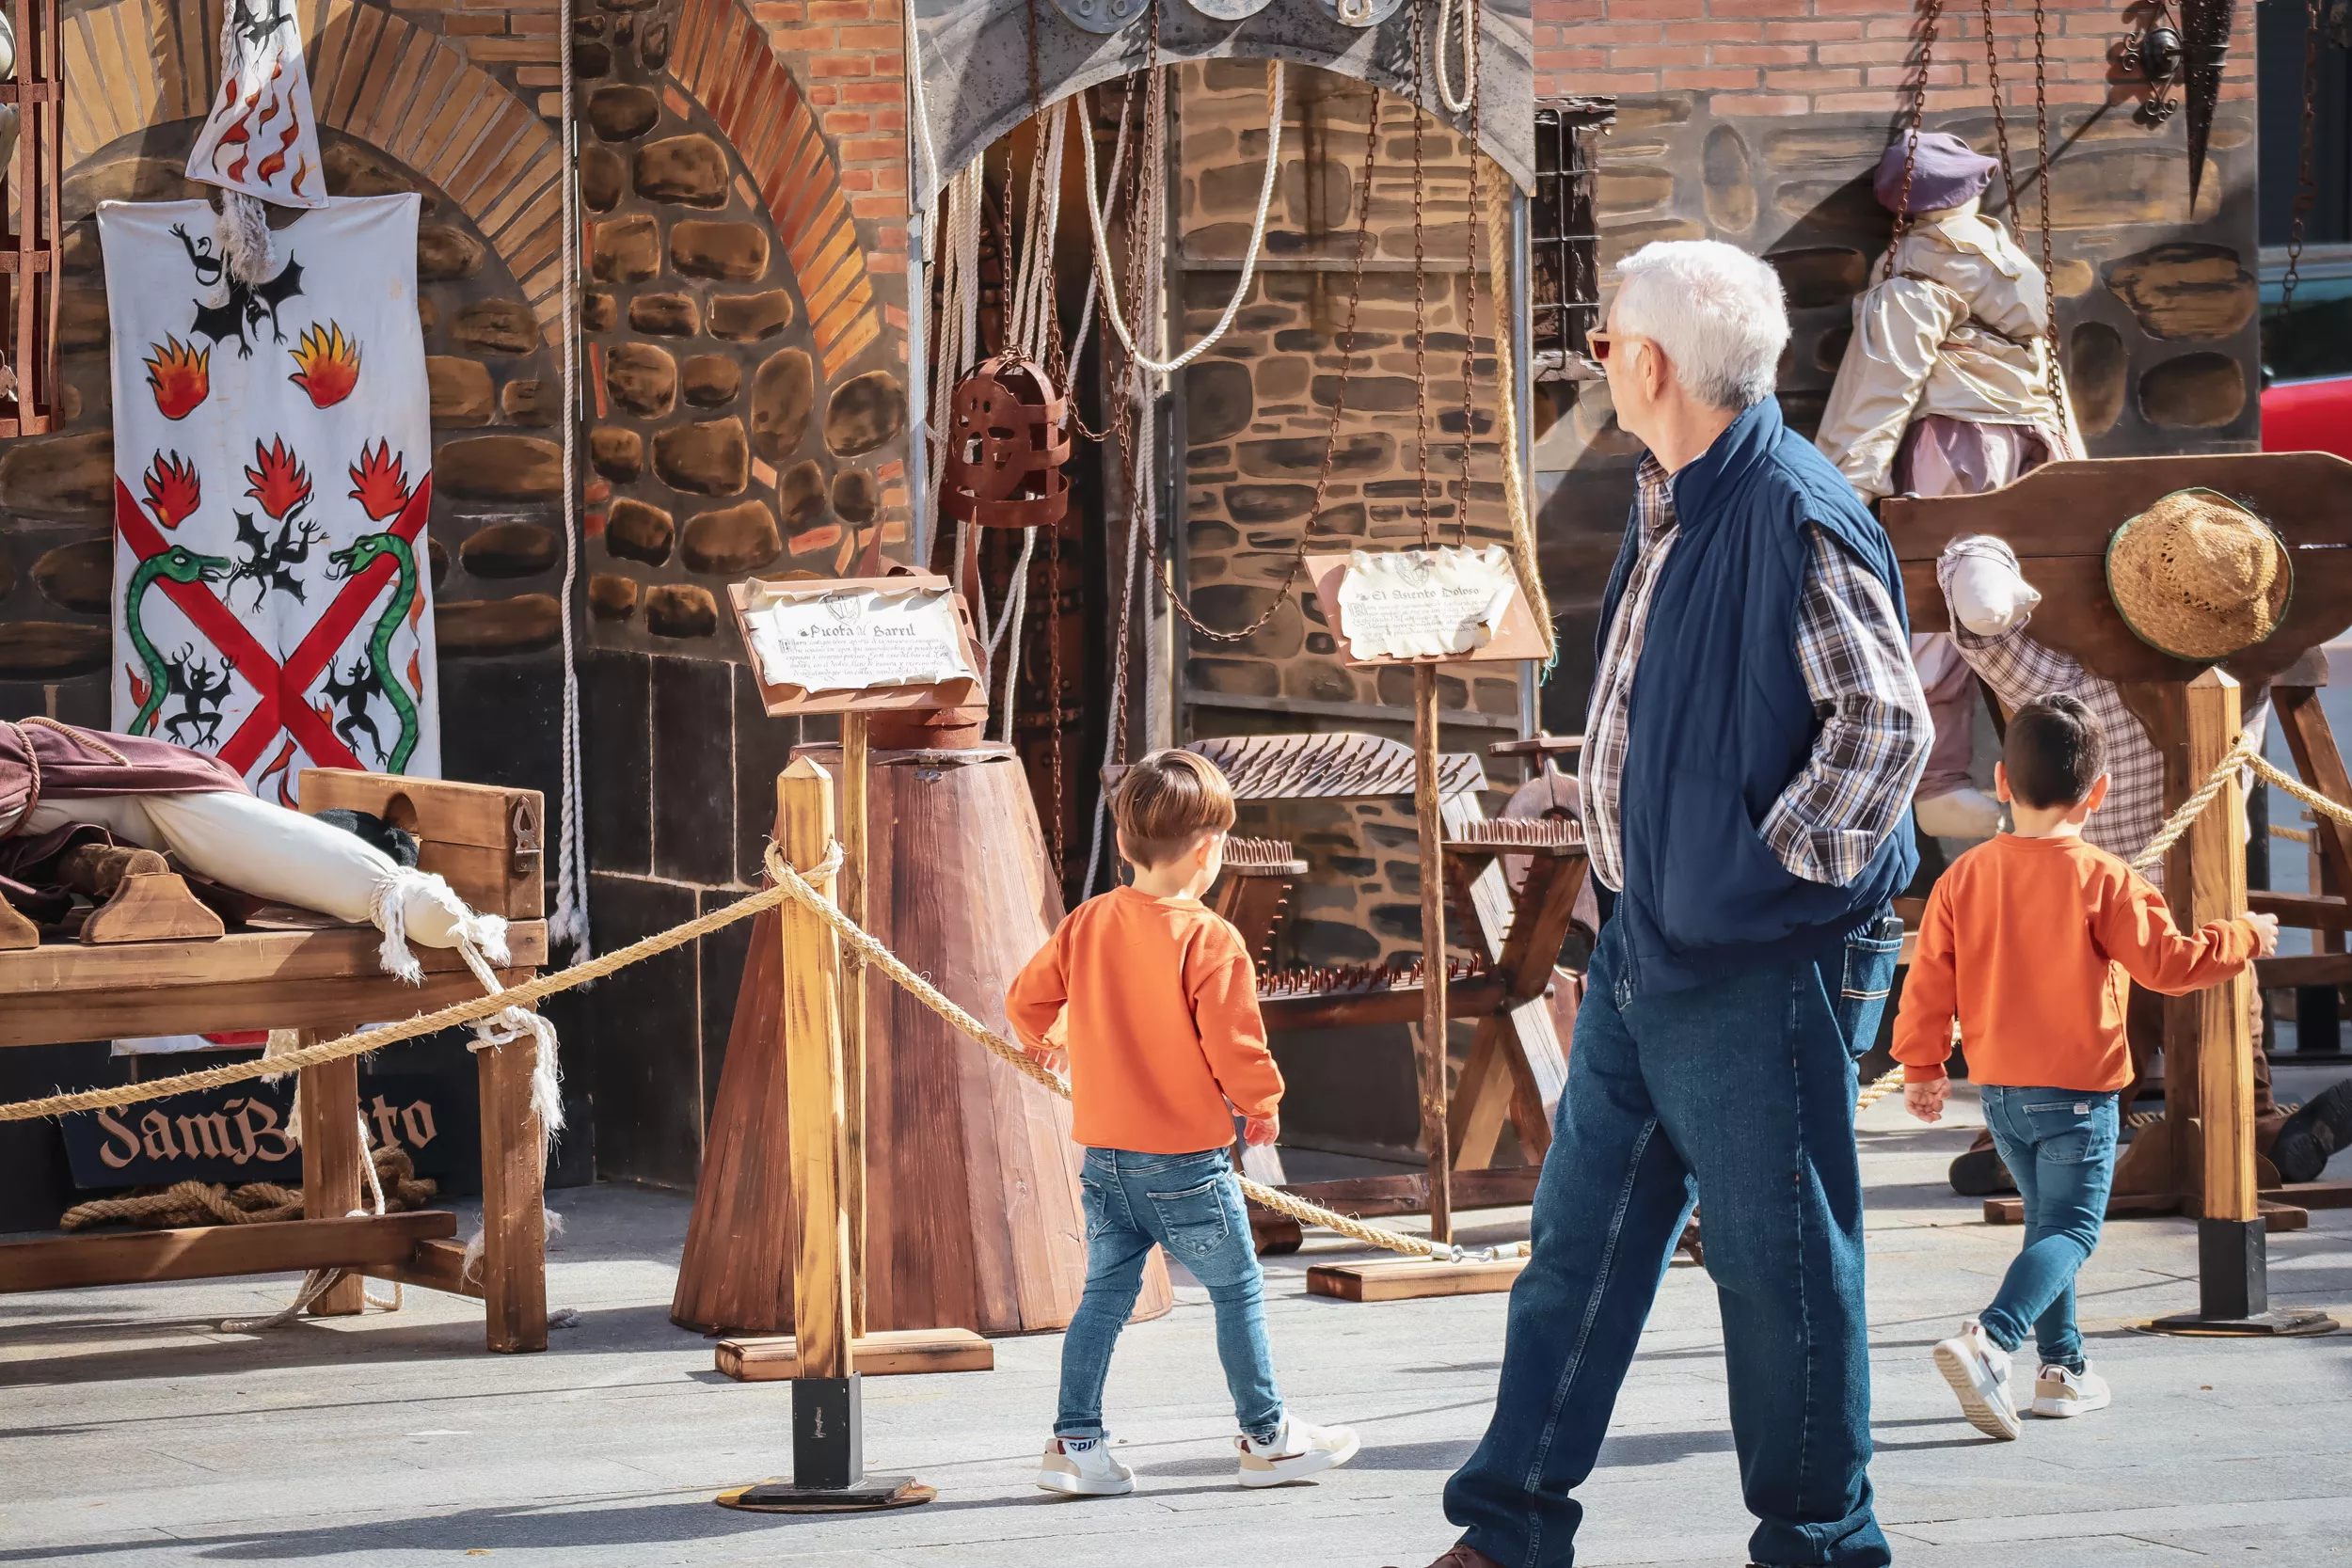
(971,1201)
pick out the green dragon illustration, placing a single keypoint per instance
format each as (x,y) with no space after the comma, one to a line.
(180,564)
(350,562)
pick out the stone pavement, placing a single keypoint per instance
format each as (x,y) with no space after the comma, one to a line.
(134,1434)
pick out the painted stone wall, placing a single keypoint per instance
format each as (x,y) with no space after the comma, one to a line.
(1737,122)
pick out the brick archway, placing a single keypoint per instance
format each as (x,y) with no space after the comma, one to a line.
(374,76)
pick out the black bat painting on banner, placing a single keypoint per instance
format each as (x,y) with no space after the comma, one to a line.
(247,304)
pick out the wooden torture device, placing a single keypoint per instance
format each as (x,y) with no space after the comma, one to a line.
(961,1184)
(2199,1159)
(1008,441)
(35,94)
(321,981)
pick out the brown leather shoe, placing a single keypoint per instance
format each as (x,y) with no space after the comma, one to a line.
(1460,1556)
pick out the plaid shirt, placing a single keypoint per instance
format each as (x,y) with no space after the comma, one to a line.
(1874,726)
(2018,669)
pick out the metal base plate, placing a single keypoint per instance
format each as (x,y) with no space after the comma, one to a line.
(872,1494)
(2278,1323)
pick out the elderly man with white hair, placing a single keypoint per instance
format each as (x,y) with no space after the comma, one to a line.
(1755,733)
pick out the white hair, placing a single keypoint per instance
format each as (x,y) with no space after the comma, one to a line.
(1715,311)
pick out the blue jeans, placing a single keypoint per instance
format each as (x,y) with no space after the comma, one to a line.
(2059,1148)
(1739,1095)
(1190,1205)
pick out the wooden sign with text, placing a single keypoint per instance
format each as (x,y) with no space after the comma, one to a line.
(858,645)
(241,1132)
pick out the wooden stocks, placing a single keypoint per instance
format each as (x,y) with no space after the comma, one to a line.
(814,1087)
(2216,891)
(1430,1046)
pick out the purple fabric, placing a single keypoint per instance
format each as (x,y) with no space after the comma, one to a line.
(1949,171)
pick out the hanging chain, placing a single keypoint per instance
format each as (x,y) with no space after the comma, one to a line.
(1932,15)
(1054,699)
(2050,373)
(1160,573)
(1469,273)
(1420,291)
(2307,175)
(1150,156)
(2000,111)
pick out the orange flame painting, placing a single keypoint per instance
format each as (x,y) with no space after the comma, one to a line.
(281,482)
(173,489)
(181,376)
(329,365)
(379,482)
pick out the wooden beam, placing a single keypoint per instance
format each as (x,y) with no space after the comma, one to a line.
(2303,969)
(514,1271)
(822,1267)
(2312,744)
(2216,891)
(333,1143)
(433,1266)
(856,757)
(328,980)
(214,1251)
(1429,1042)
(2305,911)
(1409,1280)
(891,1352)
(1475,997)
(1367,1196)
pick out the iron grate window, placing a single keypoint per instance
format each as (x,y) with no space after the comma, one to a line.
(1564,295)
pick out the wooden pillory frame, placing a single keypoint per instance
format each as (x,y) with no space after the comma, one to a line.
(29,251)
(486,842)
(2199,1159)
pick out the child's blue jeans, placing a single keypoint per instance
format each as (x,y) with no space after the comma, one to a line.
(1190,1205)
(2059,1148)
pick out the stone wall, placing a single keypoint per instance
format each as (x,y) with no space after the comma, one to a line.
(1753,124)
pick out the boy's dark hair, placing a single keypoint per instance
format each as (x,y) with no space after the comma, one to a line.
(1166,801)
(2054,752)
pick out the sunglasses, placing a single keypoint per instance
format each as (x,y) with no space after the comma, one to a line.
(1600,340)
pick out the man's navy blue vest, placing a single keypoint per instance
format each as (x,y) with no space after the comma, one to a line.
(1721,721)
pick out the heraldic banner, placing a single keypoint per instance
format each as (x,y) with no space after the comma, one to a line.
(273,473)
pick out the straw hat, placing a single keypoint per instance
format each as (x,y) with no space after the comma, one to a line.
(2198,577)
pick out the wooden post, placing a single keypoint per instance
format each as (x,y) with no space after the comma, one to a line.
(513,1217)
(1429,1044)
(2216,891)
(331,1153)
(813,1082)
(854,762)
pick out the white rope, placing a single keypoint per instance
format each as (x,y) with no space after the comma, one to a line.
(1250,256)
(1110,206)
(569,921)
(511,1025)
(1034,289)
(1460,105)
(1015,614)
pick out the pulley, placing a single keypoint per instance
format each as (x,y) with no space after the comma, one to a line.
(1007,445)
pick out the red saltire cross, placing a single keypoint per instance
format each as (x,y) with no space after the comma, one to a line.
(280,687)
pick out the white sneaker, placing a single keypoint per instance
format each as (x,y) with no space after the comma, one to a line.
(1297,1450)
(1083,1467)
(1978,1369)
(2058,1392)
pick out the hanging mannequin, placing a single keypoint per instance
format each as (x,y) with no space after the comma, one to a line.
(1946,390)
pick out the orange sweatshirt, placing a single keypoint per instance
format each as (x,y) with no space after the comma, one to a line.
(1163,1025)
(2027,941)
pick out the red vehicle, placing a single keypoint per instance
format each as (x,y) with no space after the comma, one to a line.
(2307,370)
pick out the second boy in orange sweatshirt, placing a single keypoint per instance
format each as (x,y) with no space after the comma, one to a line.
(2029,941)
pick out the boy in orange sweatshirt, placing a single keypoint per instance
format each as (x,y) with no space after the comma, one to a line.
(2028,940)
(1159,1006)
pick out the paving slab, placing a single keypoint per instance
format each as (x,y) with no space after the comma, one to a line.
(134,1432)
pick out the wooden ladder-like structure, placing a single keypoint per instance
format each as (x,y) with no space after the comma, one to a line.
(30,248)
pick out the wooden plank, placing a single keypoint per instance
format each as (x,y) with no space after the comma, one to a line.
(822,1267)
(513,1219)
(333,1143)
(2312,744)
(1511,1187)
(438,809)
(1411,1280)
(2216,891)
(2303,969)
(214,1251)
(326,979)
(433,1266)
(2120,1206)
(893,1353)
(1482,1099)
(2305,911)
(1429,1039)
(2307,494)
(856,758)
(1475,997)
